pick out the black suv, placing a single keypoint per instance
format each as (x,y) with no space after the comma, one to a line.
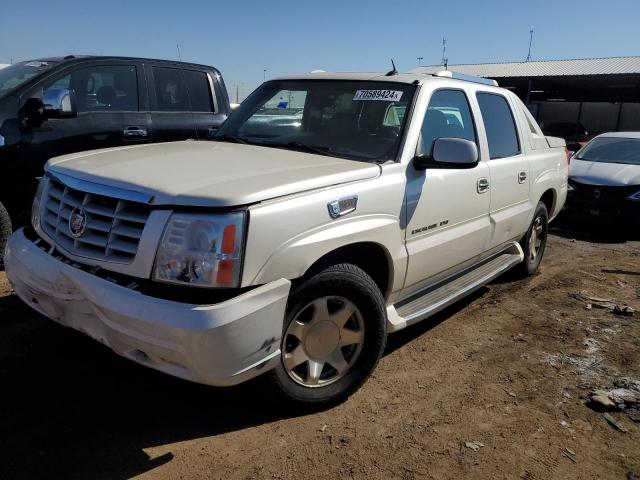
(53,106)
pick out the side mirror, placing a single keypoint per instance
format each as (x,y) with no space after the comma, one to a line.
(59,103)
(448,153)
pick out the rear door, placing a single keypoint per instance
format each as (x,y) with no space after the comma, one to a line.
(206,106)
(510,210)
(169,99)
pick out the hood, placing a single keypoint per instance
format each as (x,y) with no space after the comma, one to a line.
(604,174)
(210,174)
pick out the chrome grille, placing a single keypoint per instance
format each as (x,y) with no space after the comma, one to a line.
(113,227)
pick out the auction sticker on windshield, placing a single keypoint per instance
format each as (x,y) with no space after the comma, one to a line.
(383,95)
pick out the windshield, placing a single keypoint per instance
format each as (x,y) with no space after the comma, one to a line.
(15,75)
(612,150)
(358,120)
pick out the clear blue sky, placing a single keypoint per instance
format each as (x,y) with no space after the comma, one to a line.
(243,37)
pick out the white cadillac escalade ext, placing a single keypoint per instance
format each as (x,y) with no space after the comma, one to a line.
(330,210)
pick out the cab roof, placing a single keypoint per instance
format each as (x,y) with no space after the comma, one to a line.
(414,78)
(68,59)
(633,135)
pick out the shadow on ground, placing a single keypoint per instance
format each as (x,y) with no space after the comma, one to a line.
(595,229)
(70,408)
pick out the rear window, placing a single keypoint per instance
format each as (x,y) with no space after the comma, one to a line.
(612,150)
(171,91)
(499,124)
(199,91)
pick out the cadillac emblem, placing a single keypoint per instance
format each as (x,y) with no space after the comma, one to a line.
(77,222)
(597,193)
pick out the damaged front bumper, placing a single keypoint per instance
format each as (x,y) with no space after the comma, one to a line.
(220,344)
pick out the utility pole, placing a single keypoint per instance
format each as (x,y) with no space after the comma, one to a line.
(178,48)
(420,61)
(530,42)
(237,93)
(444,51)
(264,74)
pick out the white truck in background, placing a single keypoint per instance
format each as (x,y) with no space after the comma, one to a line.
(330,210)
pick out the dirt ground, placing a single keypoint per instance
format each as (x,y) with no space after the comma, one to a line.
(509,367)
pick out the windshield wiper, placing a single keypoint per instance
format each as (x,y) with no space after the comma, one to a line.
(229,138)
(302,147)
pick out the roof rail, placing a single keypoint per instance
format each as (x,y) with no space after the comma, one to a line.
(466,78)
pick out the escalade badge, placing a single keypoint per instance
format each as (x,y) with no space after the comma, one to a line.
(77,222)
(342,206)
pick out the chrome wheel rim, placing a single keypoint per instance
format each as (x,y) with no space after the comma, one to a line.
(323,341)
(536,238)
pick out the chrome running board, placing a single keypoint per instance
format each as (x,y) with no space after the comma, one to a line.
(431,300)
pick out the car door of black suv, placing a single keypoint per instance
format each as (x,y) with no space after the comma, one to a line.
(112,110)
(187,102)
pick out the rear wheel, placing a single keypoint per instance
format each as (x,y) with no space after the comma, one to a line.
(534,242)
(5,231)
(334,335)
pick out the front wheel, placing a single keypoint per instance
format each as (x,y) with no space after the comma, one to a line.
(534,242)
(334,335)
(5,231)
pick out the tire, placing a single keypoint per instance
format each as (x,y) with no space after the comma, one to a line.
(312,333)
(534,242)
(5,231)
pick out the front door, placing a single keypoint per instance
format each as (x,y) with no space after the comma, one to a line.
(111,113)
(447,209)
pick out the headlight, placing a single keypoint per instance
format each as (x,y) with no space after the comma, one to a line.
(634,197)
(35,206)
(201,250)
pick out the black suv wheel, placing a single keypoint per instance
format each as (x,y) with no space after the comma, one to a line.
(5,231)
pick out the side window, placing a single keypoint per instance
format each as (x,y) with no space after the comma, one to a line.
(448,116)
(108,88)
(171,91)
(199,91)
(499,124)
(60,83)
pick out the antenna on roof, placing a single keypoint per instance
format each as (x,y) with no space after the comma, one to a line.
(394,71)
(444,51)
(530,42)
(178,48)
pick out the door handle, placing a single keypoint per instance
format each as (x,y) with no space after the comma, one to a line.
(134,132)
(483,185)
(522,177)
